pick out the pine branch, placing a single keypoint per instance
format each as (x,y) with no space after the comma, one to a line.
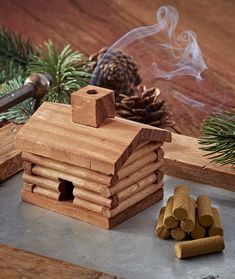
(219,137)
(15,54)
(21,112)
(14,48)
(65,67)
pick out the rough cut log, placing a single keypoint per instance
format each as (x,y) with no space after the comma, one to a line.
(137,165)
(55,186)
(169,220)
(54,174)
(140,153)
(161,230)
(46,192)
(89,205)
(133,199)
(132,179)
(181,202)
(70,169)
(146,181)
(95,198)
(204,211)
(217,227)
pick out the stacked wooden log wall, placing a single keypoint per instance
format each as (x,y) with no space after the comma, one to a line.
(140,176)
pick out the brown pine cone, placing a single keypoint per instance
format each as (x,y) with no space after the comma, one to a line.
(115,70)
(145,106)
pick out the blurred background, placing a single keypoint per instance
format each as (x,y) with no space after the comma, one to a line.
(89,25)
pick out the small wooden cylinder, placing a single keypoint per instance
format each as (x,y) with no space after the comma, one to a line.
(198,231)
(161,230)
(188,224)
(95,198)
(181,202)
(169,220)
(198,247)
(204,211)
(178,234)
(46,192)
(217,227)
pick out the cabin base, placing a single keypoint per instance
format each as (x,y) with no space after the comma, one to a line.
(68,209)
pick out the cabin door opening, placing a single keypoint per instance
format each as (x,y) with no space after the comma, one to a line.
(66,190)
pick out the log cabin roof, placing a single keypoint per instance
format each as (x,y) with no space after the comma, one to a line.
(50,132)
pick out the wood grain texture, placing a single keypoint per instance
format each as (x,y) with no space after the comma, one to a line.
(10,157)
(68,209)
(16,263)
(91,105)
(89,25)
(184,159)
(51,133)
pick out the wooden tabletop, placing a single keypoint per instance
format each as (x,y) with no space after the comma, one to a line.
(15,263)
(89,25)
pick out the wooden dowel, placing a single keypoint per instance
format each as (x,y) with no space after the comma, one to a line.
(46,192)
(161,230)
(188,224)
(134,199)
(89,205)
(217,227)
(55,174)
(55,186)
(181,202)
(132,179)
(141,152)
(198,247)
(169,220)
(95,198)
(137,165)
(204,210)
(70,169)
(144,182)
(27,166)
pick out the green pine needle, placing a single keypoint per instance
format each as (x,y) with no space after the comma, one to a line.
(65,67)
(19,113)
(15,54)
(219,137)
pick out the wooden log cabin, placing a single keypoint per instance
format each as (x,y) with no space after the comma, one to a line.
(82,161)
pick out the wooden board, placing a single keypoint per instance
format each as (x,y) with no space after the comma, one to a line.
(68,209)
(10,158)
(16,263)
(184,159)
(89,25)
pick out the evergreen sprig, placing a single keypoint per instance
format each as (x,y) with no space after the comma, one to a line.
(66,69)
(21,112)
(219,137)
(15,54)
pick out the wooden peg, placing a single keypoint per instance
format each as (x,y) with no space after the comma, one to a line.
(91,105)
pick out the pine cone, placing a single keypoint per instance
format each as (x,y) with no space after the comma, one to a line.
(144,106)
(117,70)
